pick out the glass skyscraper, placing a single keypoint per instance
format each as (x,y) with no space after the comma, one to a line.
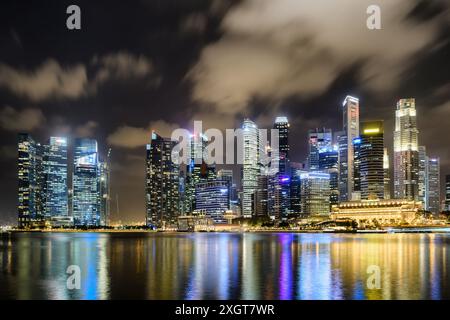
(282,124)
(319,141)
(55,166)
(213,199)
(346,154)
(328,162)
(105,192)
(406,151)
(162,183)
(433,185)
(370,159)
(86,184)
(250,168)
(387,175)
(447,192)
(30,182)
(315,193)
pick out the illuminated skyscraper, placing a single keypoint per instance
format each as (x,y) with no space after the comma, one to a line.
(30,182)
(278,196)
(422,175)
(447,192)
(213,199)
(315,193)
(250,168)
(406,151)
(346,153)
(86,183)
(55,166)
(282,124)
(387,175)
(105,192)
(328,162)
(370,175)
(433,185)
(319,140)
(162,183)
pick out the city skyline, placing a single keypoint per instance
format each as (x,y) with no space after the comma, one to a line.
(122,87)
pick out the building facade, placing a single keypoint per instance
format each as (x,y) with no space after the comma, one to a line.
(213,199)
(346,153)
(55,166)
(406,151)
(250,167)
(162,183)
(315,193)
(433,186)
(86,197)
(319,141)
(447,192)
(282,125)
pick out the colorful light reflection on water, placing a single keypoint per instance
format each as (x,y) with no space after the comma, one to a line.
(224,266)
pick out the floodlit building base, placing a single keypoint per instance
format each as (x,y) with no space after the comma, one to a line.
(377,212)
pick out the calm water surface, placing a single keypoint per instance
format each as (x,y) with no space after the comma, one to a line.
(224,266)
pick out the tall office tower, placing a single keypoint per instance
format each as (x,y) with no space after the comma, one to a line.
(433,185)
(278,196)
(55,166)
(356,193)
(422,175)
(447,192)
(105,192)
(86,197)
(296,169)
(250,168)
(319,140)
(328,162)
(315,193)
(282,124)
(213,199)
(162,183)
(30,183)
(261,197)
(406,151)
(370,159)
(387,175)
(346,154)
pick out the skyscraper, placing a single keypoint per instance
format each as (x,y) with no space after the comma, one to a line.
(319,141)
(370,160)
(55,166)
(86,198)
(406,151)
(105,191)
(422,180)
(162,183)
(315,193)
(30,182)
(328,162)
(213,199)
(433,185)
(387,175)
(282,124)
(250,168)
(447,192)
(345,140)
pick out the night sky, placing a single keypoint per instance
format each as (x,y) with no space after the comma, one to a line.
(160,64)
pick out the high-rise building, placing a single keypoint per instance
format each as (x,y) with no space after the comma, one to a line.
(433,185)
(345,140)
(213,199)
(370,157)
(447,192)
(329,162)
(406,151)
(250,168)
(422,175)
(315,193)
(30,182)
(319,141)
(105,192)
(387,175)
(162,183)
(86,197)
(282,124)
(55,166)
(278,196)
(260,203)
